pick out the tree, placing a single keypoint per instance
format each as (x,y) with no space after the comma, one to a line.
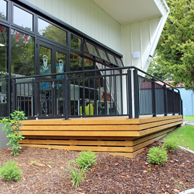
(175,50)
(158,71)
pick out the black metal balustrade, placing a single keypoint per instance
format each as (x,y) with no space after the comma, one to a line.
(125,91)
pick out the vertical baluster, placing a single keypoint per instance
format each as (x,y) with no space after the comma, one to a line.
(74,97)
(14,95)
(129,96)
(165,101)
(121,86)
(153,98)
(136,93)
(173,103)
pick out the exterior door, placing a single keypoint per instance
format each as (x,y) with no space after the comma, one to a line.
(49,95)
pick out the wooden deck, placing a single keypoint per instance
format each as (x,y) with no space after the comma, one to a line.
(115,135)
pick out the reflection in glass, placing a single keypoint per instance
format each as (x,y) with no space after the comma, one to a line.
(119,62)
(3,9)
(23,18)
(76,42)
(3,50)
(45,60)
(3,72)
(60,64)
(102,54)
(112,59)
(75,62)
(50,31)
(22,54)
(92,49)
(89,65)
(60,68)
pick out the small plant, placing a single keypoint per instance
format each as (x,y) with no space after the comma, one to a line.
(10,171)
(76,175)
(157,155)
(170,145)
(86,159)
(12,127)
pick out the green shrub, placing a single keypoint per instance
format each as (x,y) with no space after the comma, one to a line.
(12,127)
(157,155)
(76,175)
(10,171)
(170,145)
(86,159)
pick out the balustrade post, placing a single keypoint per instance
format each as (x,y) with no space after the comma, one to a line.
(129,99)
(136,93)
(165,101)
(14,95)
(153,98)
(65,96)
(180,105)
(173,104)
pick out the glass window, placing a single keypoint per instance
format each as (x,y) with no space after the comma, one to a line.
(89,65)
(50,31)
(23,18)
(119,62)
(112,59)
(45,60)
(91,49)
(76,42)
(3,9)
(75,62)
(60,64)
(3,50)
(3,71)
(22,54)
(102,54)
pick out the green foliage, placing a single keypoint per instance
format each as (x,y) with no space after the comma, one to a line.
(175,50)
(10,171)
(158,71)
(170,145)
(76,175)
(86,159)
(12,127)
(157,155)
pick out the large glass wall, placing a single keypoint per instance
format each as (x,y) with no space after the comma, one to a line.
(3,71)
(39,45)
(52,32)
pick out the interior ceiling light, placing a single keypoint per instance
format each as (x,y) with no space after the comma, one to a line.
(2,44)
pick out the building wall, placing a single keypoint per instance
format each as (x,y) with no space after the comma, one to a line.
(188,101)
(138,37)
(87,17)
(143,36)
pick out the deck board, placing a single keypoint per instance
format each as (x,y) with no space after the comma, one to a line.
(114,135)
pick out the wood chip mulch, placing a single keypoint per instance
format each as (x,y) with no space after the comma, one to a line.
(47,171)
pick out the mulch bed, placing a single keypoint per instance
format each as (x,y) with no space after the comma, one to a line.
(46,171)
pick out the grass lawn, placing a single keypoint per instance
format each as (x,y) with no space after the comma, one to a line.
(184,136)
(189,118)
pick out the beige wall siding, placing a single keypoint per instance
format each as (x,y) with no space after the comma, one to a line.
(138,37)
(87,17)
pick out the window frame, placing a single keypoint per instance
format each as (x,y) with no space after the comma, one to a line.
(26,10)
(41,37)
